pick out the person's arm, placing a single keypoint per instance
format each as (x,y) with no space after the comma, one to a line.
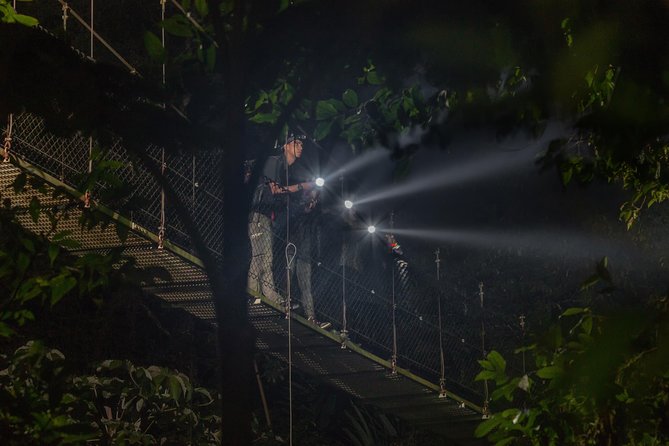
(277,189)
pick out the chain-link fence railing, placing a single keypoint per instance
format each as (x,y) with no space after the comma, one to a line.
(194,179)
(360,285)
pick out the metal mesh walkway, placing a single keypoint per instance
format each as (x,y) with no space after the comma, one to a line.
(364,368)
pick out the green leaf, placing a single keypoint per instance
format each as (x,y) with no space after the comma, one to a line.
(261,118)
(22,262)
(26,20)
(337,104)
(34,209)
(587,324)
(202,7)
(505,390)
(20,182)
(60,285)
(325,110)
(488,425)
(574,310)
(485,374)
(590,282)
(154,47)
(373,78)
(322,130)
(210,58)
(28,244)
(567,174)
(176,387)
(5,330)
(497,361)
(350,98)
(178,25)
(602,269)
(550,372)
(53,252)
(122,232)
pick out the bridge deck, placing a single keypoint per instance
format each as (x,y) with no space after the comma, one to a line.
(324,354)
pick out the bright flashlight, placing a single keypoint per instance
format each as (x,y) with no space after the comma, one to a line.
(348,204)
(371,229)
(320,182)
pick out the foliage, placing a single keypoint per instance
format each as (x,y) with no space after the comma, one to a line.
(596,380)
(367,426)
(41,400)
(368,112)
(120,404)
(37,270)
(9,15)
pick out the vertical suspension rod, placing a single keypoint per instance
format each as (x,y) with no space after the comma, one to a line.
(91,26)
(393,361)
(289,304)
(163,166)
(442,363)
(486,409)
(344,255)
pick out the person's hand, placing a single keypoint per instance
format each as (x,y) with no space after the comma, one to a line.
(308,185)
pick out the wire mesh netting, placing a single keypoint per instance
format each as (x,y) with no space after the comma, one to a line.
(138,193)
(360,285)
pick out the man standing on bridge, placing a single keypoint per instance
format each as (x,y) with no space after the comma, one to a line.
(282,177)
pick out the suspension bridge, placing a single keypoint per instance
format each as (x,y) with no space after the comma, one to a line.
(398,341)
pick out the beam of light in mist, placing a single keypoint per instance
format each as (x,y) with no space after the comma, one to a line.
(553,244)
(368,158)
(454,174)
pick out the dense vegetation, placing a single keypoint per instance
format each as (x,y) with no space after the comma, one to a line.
(384,70)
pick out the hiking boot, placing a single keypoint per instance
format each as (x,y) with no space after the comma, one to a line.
(321,325)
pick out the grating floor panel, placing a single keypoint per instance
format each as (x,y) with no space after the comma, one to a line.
(315,352)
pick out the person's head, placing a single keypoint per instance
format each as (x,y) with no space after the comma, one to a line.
(292,149)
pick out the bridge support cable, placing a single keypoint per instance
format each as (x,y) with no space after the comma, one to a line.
(65,7)
(344,254)
(486,401)
(163,165)
(94,35)
(393,360)
(7,146)
(442,366)
(291,254)
(91,28)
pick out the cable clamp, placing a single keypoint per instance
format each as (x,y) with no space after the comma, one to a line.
(442,388)
(161,237)
(6,147)
(66,8)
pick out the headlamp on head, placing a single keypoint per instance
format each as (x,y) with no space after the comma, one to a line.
(293,137)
